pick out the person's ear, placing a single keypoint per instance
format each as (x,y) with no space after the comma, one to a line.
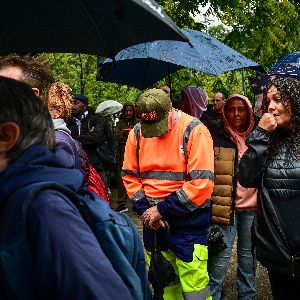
(9,136)
(36,91)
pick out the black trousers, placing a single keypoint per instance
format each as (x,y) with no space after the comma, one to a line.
(284,287)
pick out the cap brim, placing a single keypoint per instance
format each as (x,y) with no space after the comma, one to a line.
(154,130)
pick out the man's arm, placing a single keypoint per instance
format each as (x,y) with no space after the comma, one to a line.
(131,176)
(68,260)
(251,165)
(121,133)
(96,135)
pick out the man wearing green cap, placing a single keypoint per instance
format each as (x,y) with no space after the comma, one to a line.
(168,174)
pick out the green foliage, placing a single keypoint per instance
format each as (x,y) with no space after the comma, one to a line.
(79,72)
(183,12)
(263,30)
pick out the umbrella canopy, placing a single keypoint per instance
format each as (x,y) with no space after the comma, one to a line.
(292,59)
(137,72)
(142,65)
(109,107)
(101,27)
(288,65)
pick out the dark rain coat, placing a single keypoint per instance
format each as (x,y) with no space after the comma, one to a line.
(122,134)
(276,227)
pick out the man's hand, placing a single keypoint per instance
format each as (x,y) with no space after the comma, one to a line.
(151,217)
(157,225)
(268,122)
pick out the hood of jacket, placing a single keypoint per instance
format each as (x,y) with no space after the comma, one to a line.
(39,164)
(134,117)
(60,124)
(250,117)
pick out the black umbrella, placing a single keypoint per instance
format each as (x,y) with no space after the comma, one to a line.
(144,64)
(102,27)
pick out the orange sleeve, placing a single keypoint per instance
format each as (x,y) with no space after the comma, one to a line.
(130,170)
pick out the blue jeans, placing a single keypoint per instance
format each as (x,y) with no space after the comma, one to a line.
(218,263)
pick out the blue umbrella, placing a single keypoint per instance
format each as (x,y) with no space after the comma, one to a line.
(288,65)
(292,60)
(142,65)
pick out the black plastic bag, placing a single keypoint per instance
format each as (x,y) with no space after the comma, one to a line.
(161,272)
(215,241)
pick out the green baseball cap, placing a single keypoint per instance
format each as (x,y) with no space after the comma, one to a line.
(153,107)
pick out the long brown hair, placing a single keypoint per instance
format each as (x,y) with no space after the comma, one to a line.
(288,93)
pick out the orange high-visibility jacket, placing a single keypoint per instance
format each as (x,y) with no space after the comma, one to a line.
(159,167)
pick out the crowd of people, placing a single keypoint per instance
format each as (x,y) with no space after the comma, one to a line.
(192,173)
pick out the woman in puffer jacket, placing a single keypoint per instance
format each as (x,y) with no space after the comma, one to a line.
(272,164)
(233,207)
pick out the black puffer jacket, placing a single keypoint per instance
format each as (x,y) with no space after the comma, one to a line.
(276,230)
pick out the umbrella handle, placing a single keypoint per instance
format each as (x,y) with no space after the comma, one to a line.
(167,227)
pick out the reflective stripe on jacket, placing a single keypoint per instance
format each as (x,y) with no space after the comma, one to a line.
(161,167)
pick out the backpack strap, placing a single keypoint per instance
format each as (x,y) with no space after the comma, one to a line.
(186,136)
(137,132)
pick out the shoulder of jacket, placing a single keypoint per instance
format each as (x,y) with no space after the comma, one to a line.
(195,125)
(52,199)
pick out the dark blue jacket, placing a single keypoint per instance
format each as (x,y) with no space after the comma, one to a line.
(68,262)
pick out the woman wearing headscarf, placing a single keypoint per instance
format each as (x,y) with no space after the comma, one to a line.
(272,164)
(193,101)
(233,207)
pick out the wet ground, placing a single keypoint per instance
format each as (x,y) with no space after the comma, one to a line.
(229,288)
